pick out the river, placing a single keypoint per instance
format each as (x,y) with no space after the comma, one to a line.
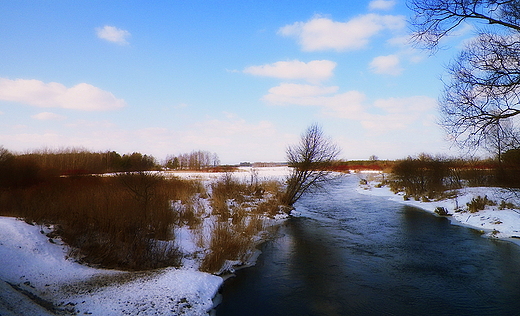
(353,254)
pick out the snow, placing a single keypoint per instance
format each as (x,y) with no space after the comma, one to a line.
(492,221)
(37,277)
(33,264)
(242,173)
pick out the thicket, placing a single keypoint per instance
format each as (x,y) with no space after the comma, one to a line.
(362,165)
(509,169)
(123,222)
(428,177)
(424,177)
(70,161)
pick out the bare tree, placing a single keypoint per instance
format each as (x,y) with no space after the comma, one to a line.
(310,161)
(435,19)
(502,138)
(196,160)
(484,90)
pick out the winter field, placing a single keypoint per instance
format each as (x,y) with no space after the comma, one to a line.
(37,278)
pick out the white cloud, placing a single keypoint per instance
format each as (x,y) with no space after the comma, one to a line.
(400,113)
(113,34)
(323,34)
(47,95)
(44,116)
(345,105)
(393,113)
(406,105)
(288,92)
(312,71)
(389,65)
(381,4)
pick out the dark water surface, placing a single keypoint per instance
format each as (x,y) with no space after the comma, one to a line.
(351,254)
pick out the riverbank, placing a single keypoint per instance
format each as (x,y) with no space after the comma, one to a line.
(501,220)
(37,277)
(40,277)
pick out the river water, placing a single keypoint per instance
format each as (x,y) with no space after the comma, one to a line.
(352,254)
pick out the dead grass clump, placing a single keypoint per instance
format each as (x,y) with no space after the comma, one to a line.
(479,203)
(228,242)
(241,210)
(230,188)
(190,213)
(270,207)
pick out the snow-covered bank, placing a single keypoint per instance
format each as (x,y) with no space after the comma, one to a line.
(37,274)
(494,221)
(37,278)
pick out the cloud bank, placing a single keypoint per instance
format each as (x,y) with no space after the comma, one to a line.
(44,116)
(324,34)
(381,116)
(83,96)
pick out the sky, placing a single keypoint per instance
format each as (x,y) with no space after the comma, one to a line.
(242,79)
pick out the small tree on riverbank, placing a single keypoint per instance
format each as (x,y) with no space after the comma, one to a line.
(310,161)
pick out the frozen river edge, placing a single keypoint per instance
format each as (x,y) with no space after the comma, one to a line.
(492,222)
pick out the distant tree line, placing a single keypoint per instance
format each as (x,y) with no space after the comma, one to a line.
(26,169)
(73,160)
(196,160)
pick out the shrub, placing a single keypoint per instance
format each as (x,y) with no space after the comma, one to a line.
(424,176)
(228,242)
(442,211)
(479,203)
(506,205)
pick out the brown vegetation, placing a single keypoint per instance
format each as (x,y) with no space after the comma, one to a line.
(128,220)
(120,222)
(241,210)
(427,177)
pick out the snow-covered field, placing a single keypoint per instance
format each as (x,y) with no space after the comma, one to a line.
(493,221)
(37,278)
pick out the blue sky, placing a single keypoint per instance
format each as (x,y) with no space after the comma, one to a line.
(239,78)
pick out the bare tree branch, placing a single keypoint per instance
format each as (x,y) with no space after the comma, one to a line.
(483,95)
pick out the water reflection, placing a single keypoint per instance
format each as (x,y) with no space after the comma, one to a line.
(356,255)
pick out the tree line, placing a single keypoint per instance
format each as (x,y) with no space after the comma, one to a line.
(25,169)
(195,160)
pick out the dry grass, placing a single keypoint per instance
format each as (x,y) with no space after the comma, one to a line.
(123,222)
(241,210)
(228,242)
(127,221)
